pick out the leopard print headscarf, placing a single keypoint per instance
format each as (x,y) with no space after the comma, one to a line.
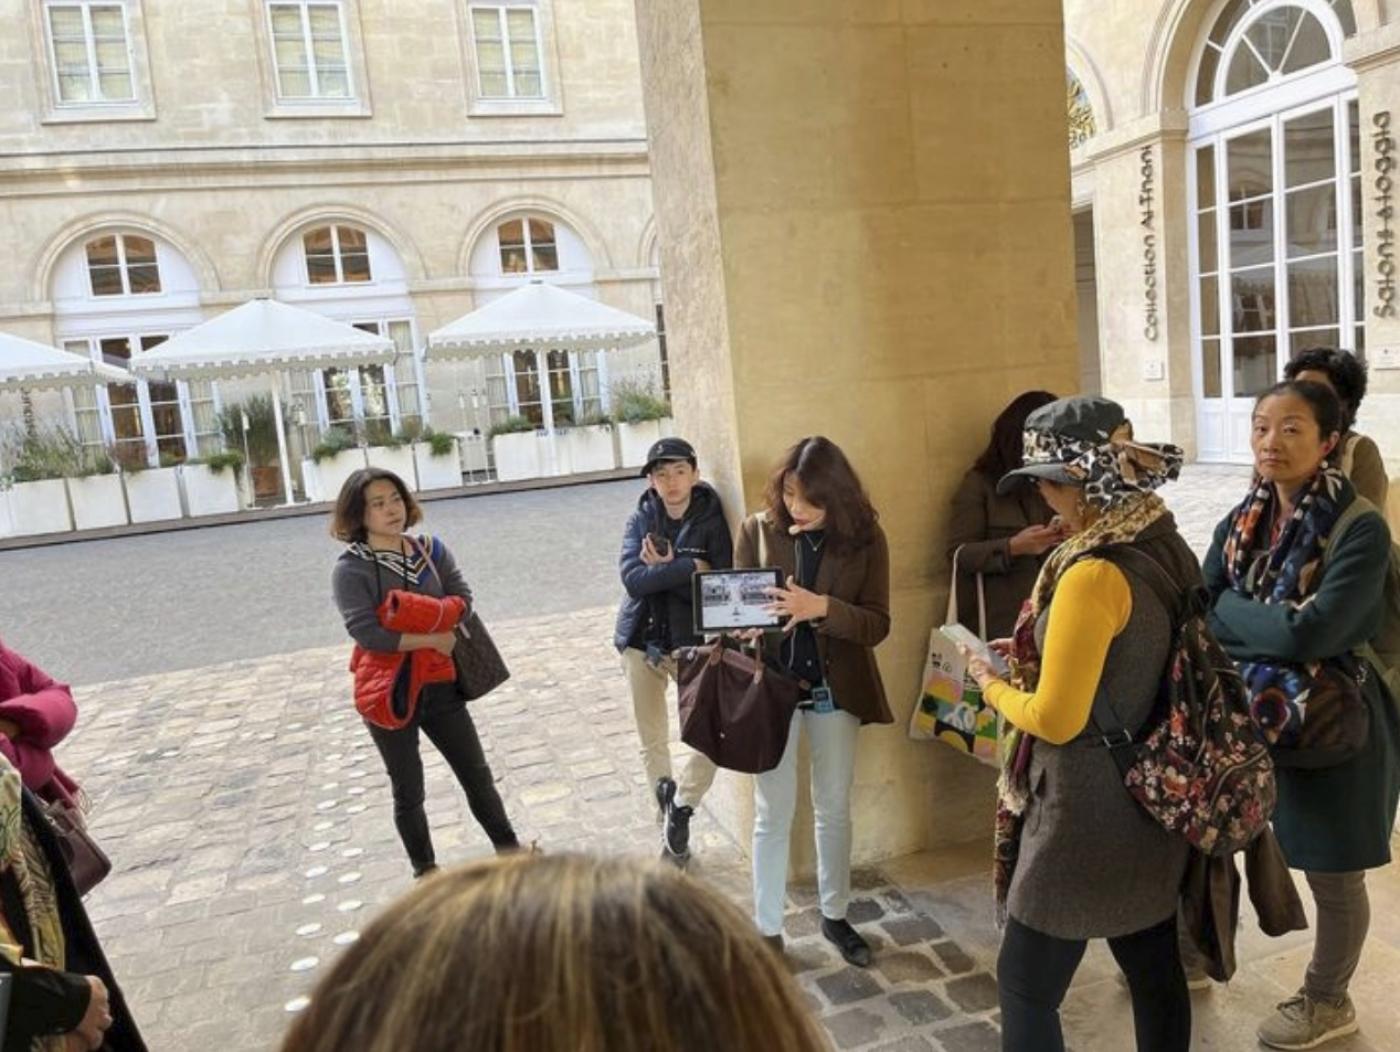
(1110,470)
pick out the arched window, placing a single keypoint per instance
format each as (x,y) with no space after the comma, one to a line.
(1275,192)
(336,255)
(1278,41)
(122,265)
(527,246)
(1082,125)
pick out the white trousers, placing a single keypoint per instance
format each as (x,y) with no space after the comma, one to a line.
(832,739)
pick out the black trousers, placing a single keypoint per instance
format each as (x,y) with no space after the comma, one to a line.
(442,716)
(1034,972)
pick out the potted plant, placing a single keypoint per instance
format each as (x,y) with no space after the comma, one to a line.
(95,493)
(333,460)
(393,453)
(516,448)
(642,416)
(37,495)
(260,441)
(211,485)
(437,460)
(152,494)
(587,446)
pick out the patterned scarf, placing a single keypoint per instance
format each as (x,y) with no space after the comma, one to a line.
(1288,571)
(21,856)
(1124,521)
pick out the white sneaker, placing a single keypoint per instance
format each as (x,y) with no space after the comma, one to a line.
(1300,1022)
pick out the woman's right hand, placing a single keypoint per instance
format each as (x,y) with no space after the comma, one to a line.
(1035,540)
(98,1017)
(1002,647)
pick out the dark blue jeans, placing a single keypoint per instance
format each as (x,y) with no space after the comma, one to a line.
(1034,972)
(442,716)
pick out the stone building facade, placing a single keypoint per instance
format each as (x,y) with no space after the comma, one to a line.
(160,163)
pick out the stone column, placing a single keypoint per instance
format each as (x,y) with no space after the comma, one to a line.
(863,217)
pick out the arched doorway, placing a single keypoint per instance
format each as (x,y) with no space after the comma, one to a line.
(1274,162)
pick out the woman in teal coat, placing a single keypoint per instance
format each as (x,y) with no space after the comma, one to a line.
(1290,600)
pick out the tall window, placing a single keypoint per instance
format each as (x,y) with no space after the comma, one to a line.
(336,255)
(527,246)
(89,52)
(123,265)
(308,50)
(514,388)
(1275,176)
(389,396)
(507,45)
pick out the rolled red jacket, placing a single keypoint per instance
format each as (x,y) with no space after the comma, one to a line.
(387,685)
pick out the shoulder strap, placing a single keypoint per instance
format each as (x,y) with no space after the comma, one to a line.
(1151,573)
(1358,507)
(1348,460)
(426,551)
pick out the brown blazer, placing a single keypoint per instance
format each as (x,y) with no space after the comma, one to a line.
(858,587)
(982,525)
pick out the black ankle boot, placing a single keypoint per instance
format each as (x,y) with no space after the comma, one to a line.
(852,945)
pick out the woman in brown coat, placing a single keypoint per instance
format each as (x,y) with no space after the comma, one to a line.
(821,530)
(1000,538)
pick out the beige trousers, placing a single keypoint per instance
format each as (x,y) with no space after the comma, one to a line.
(649,705)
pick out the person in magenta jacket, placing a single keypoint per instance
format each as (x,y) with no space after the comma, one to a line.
(36,713)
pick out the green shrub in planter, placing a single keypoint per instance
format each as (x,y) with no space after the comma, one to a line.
(411,430)
(594,420)
(171,460)
(512,425)
(262,429)
(334,441)
(129,458)
(219,462)
(635,402)
(44,453)
(96,464)
(440,443)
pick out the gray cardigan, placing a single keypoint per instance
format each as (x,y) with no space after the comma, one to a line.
(357,590)
(1093,863)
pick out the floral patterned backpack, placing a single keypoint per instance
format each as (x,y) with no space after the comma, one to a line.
(1201,769)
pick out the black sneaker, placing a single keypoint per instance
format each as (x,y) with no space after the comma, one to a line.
(676,839)
(853,947)
(665,793)
(419,872)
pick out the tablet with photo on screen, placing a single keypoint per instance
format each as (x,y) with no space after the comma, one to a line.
(733,600)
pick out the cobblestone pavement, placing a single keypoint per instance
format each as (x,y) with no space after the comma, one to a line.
(249,822)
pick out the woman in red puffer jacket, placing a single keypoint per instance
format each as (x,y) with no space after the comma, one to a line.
(401,679)
(36,713)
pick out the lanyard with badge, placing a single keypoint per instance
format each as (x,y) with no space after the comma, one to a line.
(823,700)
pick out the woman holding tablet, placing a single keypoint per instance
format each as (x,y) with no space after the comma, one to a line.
(819,528)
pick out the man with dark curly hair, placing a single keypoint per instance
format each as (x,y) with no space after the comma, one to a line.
(1356,455)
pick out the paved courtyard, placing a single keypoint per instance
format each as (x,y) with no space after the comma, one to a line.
(248,816)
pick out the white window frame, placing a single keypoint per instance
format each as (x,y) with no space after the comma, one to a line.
(309,52)
(56,110)
(276,106)
(1215,123)
(340,282)
(122,267)
(356,387)
(524,221)
(549,103)
(90,41)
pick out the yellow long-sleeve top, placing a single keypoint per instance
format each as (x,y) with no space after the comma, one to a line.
(1092,604)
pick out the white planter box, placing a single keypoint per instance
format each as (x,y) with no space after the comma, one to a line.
(40,507)
(154,495)
(398,459)
(518,456)
(635,440)
(7,516)
(443,472)
(586,449)
(323,480)
(98,502)
(210,493)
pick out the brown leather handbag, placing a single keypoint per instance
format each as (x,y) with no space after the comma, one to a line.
(87,863)
(734,708)
(480,667)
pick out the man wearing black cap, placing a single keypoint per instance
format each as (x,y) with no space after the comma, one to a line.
(677,529)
